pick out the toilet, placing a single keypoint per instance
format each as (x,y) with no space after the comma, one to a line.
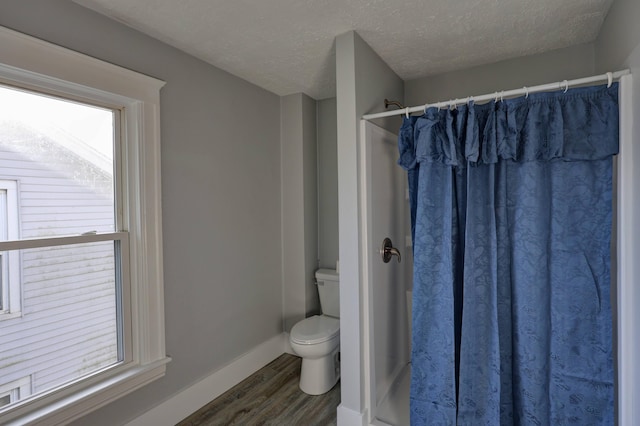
(317,339)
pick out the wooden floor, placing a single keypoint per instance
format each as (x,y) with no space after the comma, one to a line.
(271,396)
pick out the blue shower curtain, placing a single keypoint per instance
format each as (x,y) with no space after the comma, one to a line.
(511,220)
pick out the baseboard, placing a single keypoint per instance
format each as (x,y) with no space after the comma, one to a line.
(193,398)
(349,417)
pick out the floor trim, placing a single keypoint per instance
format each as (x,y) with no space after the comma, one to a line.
(201,393)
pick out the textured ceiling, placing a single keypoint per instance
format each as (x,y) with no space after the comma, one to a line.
(286,46)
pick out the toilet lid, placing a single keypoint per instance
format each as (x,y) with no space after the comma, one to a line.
(315,329)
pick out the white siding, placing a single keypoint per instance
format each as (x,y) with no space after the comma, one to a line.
(68,325)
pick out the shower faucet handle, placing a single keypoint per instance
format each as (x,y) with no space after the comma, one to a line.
(388,251)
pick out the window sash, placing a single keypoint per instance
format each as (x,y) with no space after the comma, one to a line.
(123,270)
(63,241)
(123,301)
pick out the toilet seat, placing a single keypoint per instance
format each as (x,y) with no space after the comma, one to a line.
(315,329)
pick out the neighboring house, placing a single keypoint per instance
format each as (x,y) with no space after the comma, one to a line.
(52,189)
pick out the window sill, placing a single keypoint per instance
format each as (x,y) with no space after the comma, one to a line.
(73,404)
(10,315)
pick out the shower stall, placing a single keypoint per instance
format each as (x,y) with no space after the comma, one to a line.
(386,283)
(387,306)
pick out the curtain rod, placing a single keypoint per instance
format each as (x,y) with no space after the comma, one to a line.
(608,77)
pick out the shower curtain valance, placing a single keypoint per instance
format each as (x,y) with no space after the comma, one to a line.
(581,124)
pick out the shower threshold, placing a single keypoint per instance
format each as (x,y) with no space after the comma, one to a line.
(394,407)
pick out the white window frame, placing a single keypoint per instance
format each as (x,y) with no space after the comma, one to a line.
(34,64)
(17,389)
(10,264)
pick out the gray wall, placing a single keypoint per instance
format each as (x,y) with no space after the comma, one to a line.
(220,190)
(327,183)
(619,36)
(310,213)
(299,207)
(363,80)
(557,65)
(618,47)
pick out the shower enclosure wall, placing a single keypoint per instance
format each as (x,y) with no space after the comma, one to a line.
(385,209)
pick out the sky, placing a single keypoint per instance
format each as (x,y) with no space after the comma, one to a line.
(92,125)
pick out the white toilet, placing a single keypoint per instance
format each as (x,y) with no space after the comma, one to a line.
(317,339)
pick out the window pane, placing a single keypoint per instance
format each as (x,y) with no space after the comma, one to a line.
(61,154)
(69,325)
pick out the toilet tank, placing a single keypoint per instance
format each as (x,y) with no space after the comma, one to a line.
(328,282)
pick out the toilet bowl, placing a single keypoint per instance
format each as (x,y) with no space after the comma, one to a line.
(317,340)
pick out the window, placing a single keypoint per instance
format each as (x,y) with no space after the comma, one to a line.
(61,154)
(10,291)
(80,232)
(14,391)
